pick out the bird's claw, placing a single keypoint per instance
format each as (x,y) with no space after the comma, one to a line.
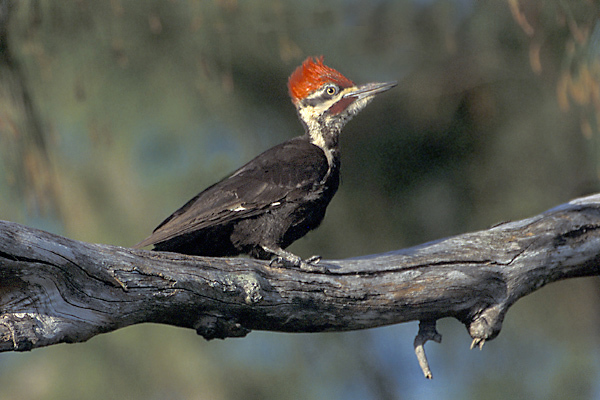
(313,260)
(308,265)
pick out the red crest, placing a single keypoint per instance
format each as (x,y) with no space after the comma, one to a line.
(312,75)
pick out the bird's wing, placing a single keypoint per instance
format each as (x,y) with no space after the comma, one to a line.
(274,176)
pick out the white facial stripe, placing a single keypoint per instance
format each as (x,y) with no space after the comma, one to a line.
(313,113)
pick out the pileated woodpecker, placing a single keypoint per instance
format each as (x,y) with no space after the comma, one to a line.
(279,196)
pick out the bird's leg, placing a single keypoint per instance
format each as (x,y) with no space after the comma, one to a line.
(290,260)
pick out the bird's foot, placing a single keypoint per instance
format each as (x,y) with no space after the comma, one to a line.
(311,264)
(293,261)
(289,260)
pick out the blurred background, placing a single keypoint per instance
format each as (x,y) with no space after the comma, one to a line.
(114,113)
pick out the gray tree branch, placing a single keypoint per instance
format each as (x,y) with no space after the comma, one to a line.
(54,289)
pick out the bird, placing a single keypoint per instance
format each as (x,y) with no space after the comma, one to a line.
(282,194)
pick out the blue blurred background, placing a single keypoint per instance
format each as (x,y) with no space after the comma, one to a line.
(114,113)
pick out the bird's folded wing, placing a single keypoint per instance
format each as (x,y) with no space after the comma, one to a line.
(274,177)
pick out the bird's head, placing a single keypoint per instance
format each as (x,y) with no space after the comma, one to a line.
(326,99)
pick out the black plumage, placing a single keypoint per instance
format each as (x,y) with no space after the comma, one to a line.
(270,202)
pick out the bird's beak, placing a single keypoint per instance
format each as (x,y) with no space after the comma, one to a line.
(369,89)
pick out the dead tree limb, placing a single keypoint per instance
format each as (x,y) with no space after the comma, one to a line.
(54,289)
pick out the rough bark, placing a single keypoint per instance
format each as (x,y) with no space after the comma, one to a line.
(54,289)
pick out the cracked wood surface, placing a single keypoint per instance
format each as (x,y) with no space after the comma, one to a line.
(54,289)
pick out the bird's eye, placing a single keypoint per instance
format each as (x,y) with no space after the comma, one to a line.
(331,90)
